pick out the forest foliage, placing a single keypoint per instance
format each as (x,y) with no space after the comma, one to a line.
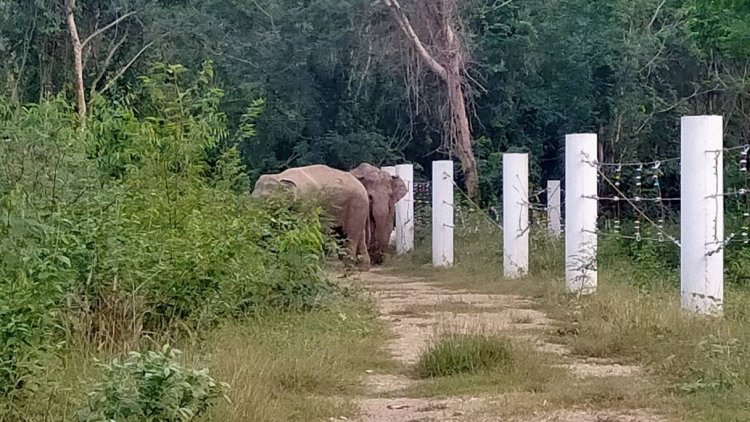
(338,85)
(138,224)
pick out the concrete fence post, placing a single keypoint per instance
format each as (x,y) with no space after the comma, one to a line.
(554,220)
(515,215)
(405,211)
(581,207)
(442,213)
(702,215)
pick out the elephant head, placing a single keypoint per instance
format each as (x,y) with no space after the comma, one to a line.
(384,191)
(272,184)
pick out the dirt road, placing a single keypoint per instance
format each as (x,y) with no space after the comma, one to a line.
(416,310)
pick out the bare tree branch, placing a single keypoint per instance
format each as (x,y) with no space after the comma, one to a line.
(656,13)
(106,64)
(403,22)
(119,74)
(268,15)
(239,59)
(106,27)
(70,6)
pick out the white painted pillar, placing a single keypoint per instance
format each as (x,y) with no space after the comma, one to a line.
(581,207)
(389,169)
(515,215)
(554,225)
(442,213)
(702,215)
(392,239)
(405,211)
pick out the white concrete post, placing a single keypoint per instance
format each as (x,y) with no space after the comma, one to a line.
(405,211)
(515,215)
(389,169)
(442,213)
(392,239)
(702,215)
(554,226)
(581,208)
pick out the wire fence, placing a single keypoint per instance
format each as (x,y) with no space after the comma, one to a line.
(638,201)
(636,204)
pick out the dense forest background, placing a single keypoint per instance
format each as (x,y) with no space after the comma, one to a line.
(336,82)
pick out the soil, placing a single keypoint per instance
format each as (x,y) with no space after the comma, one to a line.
(416,310)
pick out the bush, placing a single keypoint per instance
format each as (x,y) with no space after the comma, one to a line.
(140,225)
(151,387)
(456,354)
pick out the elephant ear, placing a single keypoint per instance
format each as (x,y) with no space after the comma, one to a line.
(398,189)
(288,184)
(367,174)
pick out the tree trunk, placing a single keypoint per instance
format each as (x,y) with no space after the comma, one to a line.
(77,60)
(462,134)
(449,67)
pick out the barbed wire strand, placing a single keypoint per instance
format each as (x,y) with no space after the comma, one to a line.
(729,149)
(638,210)
(746,209)
(481,211)
(635,163)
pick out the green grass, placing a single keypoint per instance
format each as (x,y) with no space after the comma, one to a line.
(525,381)
(702,361)
(484,364)
(454,354)
(696,367)
(281,367)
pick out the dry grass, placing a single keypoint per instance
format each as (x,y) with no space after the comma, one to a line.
(698,365)
(296,367)
(612,394)
(522,319)
(300,367)
(702,361)
(456,307)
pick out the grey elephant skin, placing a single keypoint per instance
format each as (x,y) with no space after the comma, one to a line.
(344,197)
(383,191)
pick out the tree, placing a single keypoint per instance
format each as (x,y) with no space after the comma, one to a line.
(440,49)
(78,48)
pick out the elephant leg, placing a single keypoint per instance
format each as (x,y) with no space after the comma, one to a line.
(350,257)
(364,260)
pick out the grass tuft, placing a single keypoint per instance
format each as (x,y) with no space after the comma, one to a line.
(455,354)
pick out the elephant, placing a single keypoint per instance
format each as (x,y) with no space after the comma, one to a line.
(384,191)
(344,197)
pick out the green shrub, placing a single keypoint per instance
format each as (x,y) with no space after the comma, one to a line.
(139,226)
(151,387)
(43,166)
(455,354)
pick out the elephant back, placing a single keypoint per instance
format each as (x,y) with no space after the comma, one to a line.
(317,180)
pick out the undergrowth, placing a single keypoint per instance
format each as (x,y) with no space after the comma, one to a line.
(279,366)
(137,231)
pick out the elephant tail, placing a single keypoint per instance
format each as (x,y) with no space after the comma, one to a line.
(368,230)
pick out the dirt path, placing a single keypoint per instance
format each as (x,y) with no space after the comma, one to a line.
(415,310)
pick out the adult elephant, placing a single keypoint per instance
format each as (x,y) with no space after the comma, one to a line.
(384,191)
(344,198)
